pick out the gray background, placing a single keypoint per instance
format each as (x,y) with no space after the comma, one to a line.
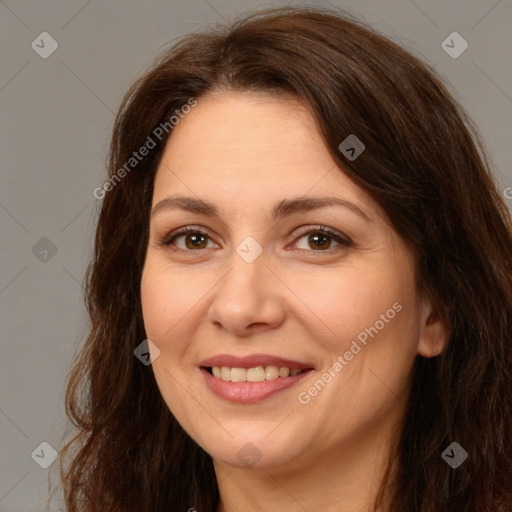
(56,116)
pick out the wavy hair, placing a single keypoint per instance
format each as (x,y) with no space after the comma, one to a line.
(424,164)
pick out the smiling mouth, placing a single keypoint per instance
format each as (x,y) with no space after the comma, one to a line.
(254,374)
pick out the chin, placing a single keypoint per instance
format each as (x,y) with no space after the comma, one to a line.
(257,451)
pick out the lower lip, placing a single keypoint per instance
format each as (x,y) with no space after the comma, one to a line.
(249,392)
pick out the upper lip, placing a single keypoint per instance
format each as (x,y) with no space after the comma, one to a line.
(253,361)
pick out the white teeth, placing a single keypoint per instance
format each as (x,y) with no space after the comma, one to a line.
(271,372)
(238,375)
(256,374)
(284,372)
(225,373)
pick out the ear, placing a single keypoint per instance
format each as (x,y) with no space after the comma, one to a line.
(434,332)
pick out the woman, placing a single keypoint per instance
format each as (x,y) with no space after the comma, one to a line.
(300,232)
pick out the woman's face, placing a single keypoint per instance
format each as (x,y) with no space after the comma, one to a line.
(256,288)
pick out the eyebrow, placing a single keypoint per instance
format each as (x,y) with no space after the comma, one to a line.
(281,209)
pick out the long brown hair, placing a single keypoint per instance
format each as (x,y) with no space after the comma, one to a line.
(424,164)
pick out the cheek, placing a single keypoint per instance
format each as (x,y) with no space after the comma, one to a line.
(163,306)
(348,303)
(156,299)
(373,328)
(379,329)
(165,300)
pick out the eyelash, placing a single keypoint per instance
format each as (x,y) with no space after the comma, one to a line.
(338,237)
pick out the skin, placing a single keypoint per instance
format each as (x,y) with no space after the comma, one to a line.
(301,299)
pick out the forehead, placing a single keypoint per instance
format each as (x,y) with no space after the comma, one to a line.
(234,126)
(251,147)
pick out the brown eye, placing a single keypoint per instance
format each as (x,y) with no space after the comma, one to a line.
(321,238)
(195,241)
(193,238)
(320,241)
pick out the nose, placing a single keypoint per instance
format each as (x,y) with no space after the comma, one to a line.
(248,299)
